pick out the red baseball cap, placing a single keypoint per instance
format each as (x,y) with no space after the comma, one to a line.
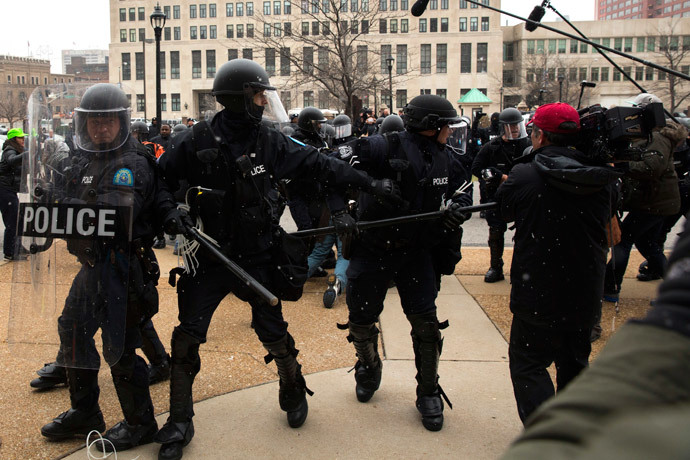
(549,117)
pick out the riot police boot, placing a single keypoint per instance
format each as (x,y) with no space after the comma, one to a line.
(49,376)
(332,292)
(293,388)
(74,422)
(496,244)
(369,366)
(646,274)
(427,344)
(178,430)
(124,436)
(159,372)
(85,415)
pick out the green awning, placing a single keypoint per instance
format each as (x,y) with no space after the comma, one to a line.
(474,96)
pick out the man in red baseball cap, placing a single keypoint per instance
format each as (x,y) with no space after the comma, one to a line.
(560,205)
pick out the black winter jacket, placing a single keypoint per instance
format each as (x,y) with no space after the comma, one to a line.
(561,208)
(11,167)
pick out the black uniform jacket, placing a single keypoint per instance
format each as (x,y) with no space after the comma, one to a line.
(234,208)
(428,174)
(561,208)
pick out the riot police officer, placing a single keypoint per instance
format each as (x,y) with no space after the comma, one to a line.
(117,171)
(498,157)
(343,129)
(412,254)
(238,160)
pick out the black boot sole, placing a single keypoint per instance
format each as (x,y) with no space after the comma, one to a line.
(433,423)
(297,417)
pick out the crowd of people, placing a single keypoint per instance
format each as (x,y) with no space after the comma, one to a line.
(229,179)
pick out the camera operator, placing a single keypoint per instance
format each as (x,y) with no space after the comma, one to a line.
(499,156)
(650,193)
(560,205)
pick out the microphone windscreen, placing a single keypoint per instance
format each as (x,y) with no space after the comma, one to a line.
(588,84)
(419,7)
(536,15)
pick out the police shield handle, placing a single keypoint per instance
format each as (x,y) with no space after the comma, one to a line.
(236,270)
(394,220)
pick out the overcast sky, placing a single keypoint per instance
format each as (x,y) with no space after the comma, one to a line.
(47,27)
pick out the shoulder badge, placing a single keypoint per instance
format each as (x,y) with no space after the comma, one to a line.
(124,176)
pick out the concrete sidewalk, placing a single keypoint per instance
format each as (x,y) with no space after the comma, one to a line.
(473,372)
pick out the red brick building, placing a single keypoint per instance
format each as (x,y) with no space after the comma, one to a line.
(641,9)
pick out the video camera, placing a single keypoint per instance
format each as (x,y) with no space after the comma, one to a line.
(607,135)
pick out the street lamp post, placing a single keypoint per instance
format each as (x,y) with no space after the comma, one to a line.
(561,77)
(158,22)
(389,61)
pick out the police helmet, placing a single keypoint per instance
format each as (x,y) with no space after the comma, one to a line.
(512,125)
(392,124)
(427,112)
(309,119)
(343,126)
(236,85)
(102,119)
(178,128)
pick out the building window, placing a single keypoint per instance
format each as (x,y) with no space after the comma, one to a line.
(393,28)
(176,11)
(196,64)
(126,67)
(202,11)
(177,33)
(422,25)
(229,31)
(212,10)
(229,10)
(561,46)
(240,30)
(123,35)
(441,58)
(604,74)
(276,7)
(308,97)
(442,93)
(433,25)
(142,34)
(239,9)
(267,30)
(202,32)
(287,7)
(175,65)
(166,34)
(248,53)
(232,54)
(192,11)
(162,64)
(213,33)
(286,99)
(383,26)
(508,52)
(465,57)
(473,24)
(141,103)
(164,102)
(463,25)
(270,61)
(250,9)
(132,14)
(250,30)
(594,74)
(267,8)
(139,65)
(132,35)
(175,102)
(401,59)
(425,59)
(141,13)
(485,23)
(315,28)
(404,26)
(192,32)
(444,24)
(401,98)
(482,57)
(284,62)
(210,63)
(386,51)
(123,14)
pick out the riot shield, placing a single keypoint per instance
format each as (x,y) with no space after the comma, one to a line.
(69,299)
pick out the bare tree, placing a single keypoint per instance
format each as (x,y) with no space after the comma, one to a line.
(332,51)
(673,51)
(12,104)
(549,78)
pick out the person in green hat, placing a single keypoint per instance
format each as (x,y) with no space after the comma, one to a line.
(10,177)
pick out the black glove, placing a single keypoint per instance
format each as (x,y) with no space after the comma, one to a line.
(492,178)
(453,217)
(177,222)
(344,223)
(386,188)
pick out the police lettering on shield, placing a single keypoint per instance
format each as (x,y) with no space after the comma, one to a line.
(70,220)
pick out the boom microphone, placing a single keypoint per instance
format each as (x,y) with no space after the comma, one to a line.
(419,7)
(588,84)
(534,18)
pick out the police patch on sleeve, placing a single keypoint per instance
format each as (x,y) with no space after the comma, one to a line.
(345,152)
(124,176)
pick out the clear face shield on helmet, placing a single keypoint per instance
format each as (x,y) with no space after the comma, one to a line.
(457,139)
(101,130)
(343,131)
(513,131)
(262,103)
